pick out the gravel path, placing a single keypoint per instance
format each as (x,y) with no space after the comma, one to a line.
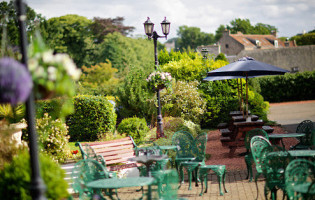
(219,154)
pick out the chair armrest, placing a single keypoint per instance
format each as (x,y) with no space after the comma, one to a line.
(83,154)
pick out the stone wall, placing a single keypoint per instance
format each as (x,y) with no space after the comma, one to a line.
(302,57)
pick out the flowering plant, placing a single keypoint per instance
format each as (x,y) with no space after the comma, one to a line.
(159,80)
(51,72)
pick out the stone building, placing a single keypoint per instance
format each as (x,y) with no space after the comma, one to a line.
(211,49)
(233,44)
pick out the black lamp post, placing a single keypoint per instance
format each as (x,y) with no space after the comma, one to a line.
(149,31)
(37,186)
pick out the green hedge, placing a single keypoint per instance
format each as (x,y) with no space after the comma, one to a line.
(134,127)
(93,117)
(289,87)
(15,178)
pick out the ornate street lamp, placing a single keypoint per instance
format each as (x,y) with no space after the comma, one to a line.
(149,31)
(204,53)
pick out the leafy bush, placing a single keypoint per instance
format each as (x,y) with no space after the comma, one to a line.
(184,101)
(57,108)
(289,87)
(133,95)
(174,124)
(15,178)
(134,127)
(94,116)
(52,137)
(221,97)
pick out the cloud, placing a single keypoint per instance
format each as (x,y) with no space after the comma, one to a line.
(289,16)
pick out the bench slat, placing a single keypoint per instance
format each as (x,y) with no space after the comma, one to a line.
(113,148)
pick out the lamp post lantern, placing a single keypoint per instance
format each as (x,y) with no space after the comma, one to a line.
(149,31)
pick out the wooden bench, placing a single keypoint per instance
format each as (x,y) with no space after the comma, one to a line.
(111,153)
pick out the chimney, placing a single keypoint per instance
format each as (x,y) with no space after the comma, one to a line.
(226,32)
(274,33)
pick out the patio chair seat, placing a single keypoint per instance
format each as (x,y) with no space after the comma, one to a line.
(219,170)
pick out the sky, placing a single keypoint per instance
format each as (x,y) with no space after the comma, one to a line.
(291,17)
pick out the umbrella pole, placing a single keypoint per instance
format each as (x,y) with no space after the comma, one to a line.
(246,97)
(238,95)
(242,97)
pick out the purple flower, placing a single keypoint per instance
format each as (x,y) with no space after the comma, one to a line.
(15,81)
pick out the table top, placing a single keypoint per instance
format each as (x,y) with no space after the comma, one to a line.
(115,183)
(286,135)
(168,147)
(249,123)
(148,158)
(302,153)
(303,188)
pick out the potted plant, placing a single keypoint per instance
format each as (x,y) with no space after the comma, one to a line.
(159,80)
(11,124)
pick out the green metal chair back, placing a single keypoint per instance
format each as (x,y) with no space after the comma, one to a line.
(200,147)
(298,171)
(306,127)
(167,181)
(274,170)
(254,132)
(185,144)
(257,144)
(84,172)
(87,151)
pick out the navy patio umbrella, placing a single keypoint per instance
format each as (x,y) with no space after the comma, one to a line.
(245,67)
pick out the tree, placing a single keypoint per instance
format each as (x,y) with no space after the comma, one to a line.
(244,26)
(193,37)
(305,39)
(124,52)
(99,79)
(70,34)
(103,26)
(9,23)
(219,32)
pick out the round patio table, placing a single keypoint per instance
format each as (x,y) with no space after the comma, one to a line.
(302,153)
(148,160)
(277,138)
(116,183)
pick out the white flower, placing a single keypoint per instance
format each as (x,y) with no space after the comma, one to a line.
(32,64)
(52,73)
(48,57)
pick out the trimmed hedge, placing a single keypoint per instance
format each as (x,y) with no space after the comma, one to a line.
(289,87)
(134,127)
(93,117)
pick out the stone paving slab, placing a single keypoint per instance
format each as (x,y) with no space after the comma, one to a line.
(238,189)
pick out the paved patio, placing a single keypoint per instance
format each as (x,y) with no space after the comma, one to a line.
(238,189)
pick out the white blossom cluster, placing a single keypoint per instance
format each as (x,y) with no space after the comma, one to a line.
(50,66)
(159,78)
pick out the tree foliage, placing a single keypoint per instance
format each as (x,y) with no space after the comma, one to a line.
(69,34)
(245,26)
(305,39)
(9,22)
(124,52)
(103,26)
(192,37)
(99,79)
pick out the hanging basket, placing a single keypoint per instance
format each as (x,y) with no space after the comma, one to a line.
(159,87)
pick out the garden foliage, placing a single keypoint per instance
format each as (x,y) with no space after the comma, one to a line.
(133,95)
(15,178)
(184,101)
(94,116)
(289,87)
(52,137)
(134,127)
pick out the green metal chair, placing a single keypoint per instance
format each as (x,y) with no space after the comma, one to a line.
(298,171)
(167,182)
(257,144)
(276,161)
(185,148)
(84,172)
(219,170)
(249,157)
(307,127)
(199,152)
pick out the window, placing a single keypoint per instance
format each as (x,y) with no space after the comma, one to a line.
(226,46)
